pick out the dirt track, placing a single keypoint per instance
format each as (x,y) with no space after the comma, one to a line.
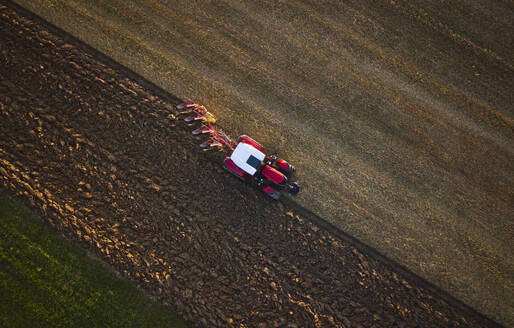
(107,162)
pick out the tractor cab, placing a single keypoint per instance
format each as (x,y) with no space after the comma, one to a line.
(247,158)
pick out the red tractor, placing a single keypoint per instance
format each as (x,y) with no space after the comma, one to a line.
(247,161)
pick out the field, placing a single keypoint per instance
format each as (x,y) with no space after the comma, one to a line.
(397,114)
(46,282)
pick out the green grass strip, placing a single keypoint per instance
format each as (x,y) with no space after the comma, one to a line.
(47,282)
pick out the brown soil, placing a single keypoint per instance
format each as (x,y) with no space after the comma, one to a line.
(102,155)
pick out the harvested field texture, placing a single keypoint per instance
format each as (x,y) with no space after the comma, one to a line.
(398,116)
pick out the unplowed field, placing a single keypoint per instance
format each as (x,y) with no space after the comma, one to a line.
(101,154)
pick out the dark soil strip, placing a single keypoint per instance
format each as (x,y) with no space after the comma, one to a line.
(100,153)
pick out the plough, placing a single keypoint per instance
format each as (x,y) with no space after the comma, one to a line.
(246,159)
(198,113)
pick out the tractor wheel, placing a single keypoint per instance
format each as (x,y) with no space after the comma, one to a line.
(294,189)
(271,192)
(234,170)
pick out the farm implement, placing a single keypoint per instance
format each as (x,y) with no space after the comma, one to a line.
(245,158)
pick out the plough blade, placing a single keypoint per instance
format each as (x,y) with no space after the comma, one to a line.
(181,106)
(194,117)
(189,106)
(202,130)
(203,117)
(211,144)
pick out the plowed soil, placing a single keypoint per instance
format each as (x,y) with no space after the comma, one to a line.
(103,156)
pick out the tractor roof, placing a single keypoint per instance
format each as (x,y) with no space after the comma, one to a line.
(247,158)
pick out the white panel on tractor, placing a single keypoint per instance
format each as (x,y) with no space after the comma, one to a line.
(247,158)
